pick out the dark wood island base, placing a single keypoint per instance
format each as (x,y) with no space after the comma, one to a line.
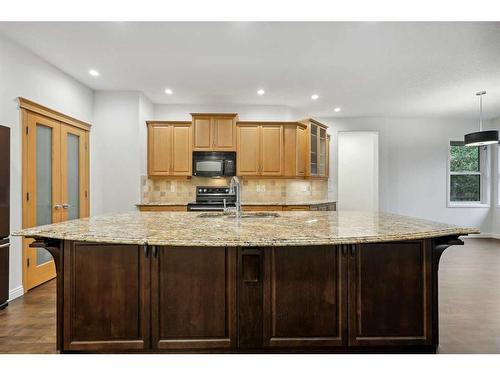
(350,298)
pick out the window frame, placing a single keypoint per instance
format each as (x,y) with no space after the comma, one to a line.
(484,179)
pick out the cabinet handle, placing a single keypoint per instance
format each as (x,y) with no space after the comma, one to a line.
(155,251)
(57,206)
(353,250)
(344,249)
(146,250)
(66,205)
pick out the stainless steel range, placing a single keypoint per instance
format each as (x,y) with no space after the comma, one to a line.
(212,198)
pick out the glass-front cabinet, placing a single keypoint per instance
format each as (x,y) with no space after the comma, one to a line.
(319,140)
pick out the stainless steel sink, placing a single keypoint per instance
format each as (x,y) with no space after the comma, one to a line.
(244,215)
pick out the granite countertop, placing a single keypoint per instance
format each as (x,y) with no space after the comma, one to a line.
(288,229)
(252,203)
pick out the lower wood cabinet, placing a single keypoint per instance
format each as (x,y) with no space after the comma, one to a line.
(390,294)
(305,296)
(128,297)
(193,300)
(106,297)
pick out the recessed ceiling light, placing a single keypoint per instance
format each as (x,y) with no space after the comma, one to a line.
(94,73)
(168,91)
(314,96)
(261,92)
(336,109)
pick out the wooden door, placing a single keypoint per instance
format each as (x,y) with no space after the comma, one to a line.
(248,154)
(181,150)
(202,133)
(193,298)
(42,182)
(159,149)
(224,134)
(74,173)
(305,297)
(271,150)
(108,311)
(390,294)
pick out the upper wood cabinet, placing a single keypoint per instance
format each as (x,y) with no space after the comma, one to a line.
(273,149)
(317,146)
(169,148)
(259,149)
(214,132)
(294,150)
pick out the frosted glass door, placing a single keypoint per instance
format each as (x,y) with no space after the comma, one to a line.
(73,171)
(44,176)
(73,177)
(42,181)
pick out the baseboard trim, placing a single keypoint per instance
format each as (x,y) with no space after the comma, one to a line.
(16,293)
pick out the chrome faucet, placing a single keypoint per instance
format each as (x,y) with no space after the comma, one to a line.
(235,188)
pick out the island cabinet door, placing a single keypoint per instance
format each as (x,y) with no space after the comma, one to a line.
(106,297)
(390,294)
(304,297)
(193,293)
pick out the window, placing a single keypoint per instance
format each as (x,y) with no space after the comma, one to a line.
(468,175)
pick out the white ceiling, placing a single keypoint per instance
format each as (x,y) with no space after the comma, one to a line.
(368,69)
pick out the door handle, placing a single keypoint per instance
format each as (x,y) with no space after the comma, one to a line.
(66,205)
(57,206)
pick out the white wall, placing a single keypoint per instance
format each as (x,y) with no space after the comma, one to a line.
(146,112)
(495,219)
(24,74)
(358,170)
(181,112)
(118,149)
(412,166)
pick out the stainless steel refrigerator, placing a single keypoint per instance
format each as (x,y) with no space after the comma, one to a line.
(4,214)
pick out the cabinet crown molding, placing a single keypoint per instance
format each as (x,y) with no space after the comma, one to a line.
(215,114)
(153,122)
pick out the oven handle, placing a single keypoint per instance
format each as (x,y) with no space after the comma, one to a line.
(204,208)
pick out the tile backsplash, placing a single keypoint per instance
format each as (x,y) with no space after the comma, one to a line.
(162,190)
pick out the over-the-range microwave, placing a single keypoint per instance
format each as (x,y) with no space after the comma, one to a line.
(214,163)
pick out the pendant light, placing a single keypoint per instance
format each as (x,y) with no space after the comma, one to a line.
(482,137)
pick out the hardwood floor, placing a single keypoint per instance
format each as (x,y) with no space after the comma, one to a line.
(28,324)
(469,306)
(469,298)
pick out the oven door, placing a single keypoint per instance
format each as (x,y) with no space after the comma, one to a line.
(208,167)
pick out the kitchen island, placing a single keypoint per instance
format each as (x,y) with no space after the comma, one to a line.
(265,282)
